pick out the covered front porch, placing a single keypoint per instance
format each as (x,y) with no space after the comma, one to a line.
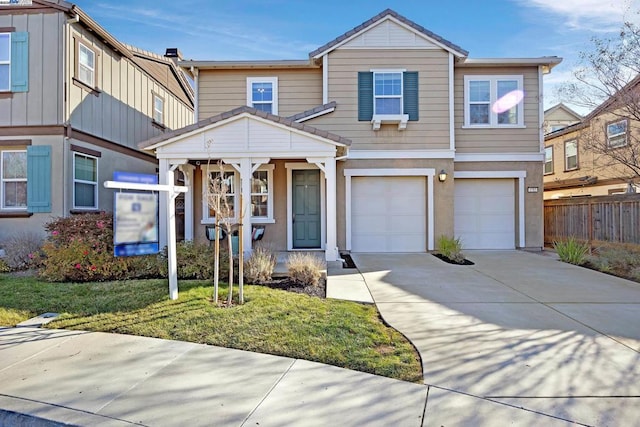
(281,175)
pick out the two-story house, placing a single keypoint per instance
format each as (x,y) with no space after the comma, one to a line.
(382,140)
(588,158)
(74,104)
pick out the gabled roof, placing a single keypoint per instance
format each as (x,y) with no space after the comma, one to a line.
(563,107)
(384,15)
(149,144)
(314,112)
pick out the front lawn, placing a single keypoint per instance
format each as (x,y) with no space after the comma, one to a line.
(339,333)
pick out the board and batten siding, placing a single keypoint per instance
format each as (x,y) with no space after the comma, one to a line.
(123,109)
(431,131)
(500,140)
(42,104)
(223,90)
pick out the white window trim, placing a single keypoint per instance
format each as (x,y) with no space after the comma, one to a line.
(274,86)
(550,147)
(566,157)
(379,119)
(493,117)
(80,64)
(206,219)
(3,180)
(95,184)
(161,113)
(7,62)
(610,136)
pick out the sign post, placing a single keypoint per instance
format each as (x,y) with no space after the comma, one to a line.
(131,181)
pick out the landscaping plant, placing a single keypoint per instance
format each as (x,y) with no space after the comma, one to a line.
(22,250)
(571,250)
(451,248)
(304,268)
(259,267)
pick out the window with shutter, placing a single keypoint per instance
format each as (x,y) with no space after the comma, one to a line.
(388,96)
(39,178)
(14,62)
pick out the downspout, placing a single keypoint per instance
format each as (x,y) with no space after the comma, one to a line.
(196,100)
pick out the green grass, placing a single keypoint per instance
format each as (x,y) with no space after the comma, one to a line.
(339,333)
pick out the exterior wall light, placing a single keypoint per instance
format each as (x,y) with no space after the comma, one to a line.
(442,176)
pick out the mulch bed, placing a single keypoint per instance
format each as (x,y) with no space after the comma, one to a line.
(287,284)
(450,261)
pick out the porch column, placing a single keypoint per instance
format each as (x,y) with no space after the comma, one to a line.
(163,208)
(245,188)
(331,246)
(187,171)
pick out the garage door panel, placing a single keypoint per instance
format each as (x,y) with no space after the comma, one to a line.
(388,214)
(485,213)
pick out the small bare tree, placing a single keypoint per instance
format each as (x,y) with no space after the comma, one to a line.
(608,82)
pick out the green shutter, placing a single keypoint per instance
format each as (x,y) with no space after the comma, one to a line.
(39,178)
(19,62)
(365,96)
(410,92)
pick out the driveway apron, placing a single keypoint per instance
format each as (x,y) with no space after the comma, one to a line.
(516,328)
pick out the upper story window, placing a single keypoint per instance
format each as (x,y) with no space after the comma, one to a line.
(571,155)
(14,179)
(388,96)
(14,61)
(158,109)
(261,208)
(387,93)
(86,65)
(548,160)
(617,134)
(262,93)
(493,101)
(85,181)
(5,62)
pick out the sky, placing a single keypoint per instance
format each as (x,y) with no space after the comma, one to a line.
(285,29)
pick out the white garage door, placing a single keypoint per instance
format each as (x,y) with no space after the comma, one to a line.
(485,213)
(388,214)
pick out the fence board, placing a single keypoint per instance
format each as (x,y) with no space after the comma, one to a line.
(603,218)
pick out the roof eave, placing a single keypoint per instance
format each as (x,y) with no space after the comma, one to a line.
(545,61)
(100,31)
(229,65)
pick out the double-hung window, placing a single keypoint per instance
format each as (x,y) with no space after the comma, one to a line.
(5,62)
(617,134)
(14,179)
(85,181)
(14,61)
(571,155)
(86,65)
(548,160)
(387,93)
(261,202)
(262,93)
(388,96)
(493,101)
(158,109)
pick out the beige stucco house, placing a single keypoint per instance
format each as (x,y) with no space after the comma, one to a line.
(74,104)
(382,140)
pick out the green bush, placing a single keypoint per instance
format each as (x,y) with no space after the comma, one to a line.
(195,261)
(4,268)
(80,249)
(305,269)
(258,269)
(451,248)
(572,251)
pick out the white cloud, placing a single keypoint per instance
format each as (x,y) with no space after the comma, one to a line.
(590,15)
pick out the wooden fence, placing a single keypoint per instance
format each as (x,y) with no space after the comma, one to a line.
(598,218)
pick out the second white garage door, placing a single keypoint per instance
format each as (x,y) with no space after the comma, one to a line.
(485,213)
(388,214)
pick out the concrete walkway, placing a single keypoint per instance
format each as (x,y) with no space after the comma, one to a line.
(517,328)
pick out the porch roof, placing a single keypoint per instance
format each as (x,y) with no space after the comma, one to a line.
(167,138)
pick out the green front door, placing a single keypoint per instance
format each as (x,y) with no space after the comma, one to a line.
(306,208)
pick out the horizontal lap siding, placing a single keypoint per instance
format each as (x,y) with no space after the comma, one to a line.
(432,129)
(496,140)
(224,90)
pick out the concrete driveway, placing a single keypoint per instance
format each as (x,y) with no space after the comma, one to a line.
(520,329)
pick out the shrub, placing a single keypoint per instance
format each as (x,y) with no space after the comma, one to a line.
(571,250)
(618,259)
(305,269)
(4,268)
(195,261)
(259,267)
(450,247)
(22,250)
